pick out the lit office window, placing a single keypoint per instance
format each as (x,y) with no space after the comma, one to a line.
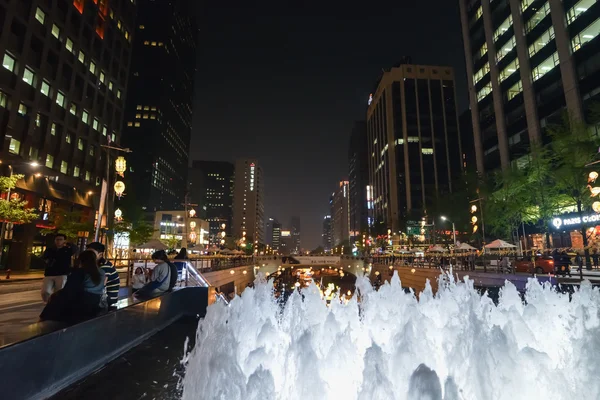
(525,4)
(53,129)
(104,130)
(45,89)
(504,26)
(60,99)
(49,161)
(586,35)
(95,124)
(579,8)
(541,42)
(68,138)
(137,124)
(14,146)
(85,117)
(9,63)
(93,68)
(28,76)
(69,45)
(537,17)
(545,66)
(110,85)
(40,15)
(486,90)
(73,109)
(482,72)
(88,176)
(76,171)
(102,76)
(23,109)
(55,31)
(118,93)
(515,90)
(79,144)
(506,48)
(64,166)
(81,56)
(509,70)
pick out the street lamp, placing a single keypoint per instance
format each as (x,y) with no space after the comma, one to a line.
(453,229)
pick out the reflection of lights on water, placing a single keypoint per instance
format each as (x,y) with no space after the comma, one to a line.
(376,273)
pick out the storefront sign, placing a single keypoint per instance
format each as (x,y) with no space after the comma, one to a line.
(560,222)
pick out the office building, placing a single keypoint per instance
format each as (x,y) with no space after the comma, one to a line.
(269,231)
(179,229)
(248,208)
(295,229)
(527,61)
(63,81)
(159,105)
(211,188)
(327,233)
(276,235)
(414,147)
(358,178)
(286,243)
(341,216)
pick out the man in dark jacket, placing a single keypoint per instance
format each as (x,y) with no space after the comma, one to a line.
(58,265)
(113,281)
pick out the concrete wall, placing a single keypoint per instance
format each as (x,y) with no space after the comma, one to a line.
(224,277)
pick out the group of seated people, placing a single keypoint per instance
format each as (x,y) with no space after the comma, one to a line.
(92,286)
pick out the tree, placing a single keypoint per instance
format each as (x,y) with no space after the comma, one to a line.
(139,232)
(508,203)
(171,243)
(69,222)
(14,210)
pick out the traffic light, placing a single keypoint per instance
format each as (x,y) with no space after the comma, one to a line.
(474,218)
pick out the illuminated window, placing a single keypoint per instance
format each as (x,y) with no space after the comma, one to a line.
(153,108)
(525,4)
(137,116)
(102,76)
(541,42)
(28,76)
(88,176)
(504,26)
(73,109)
(427,151)
(68,138)
(586,35)
(40,15)
(142,27)
(81,57)
(515,90)
(113,137)
(79,144)
(95,124)
(69,45)
(22,109)
(49,161)
(545,66)
(92,150)
(93,67)
(55,31)
(119,24)
(104,130)
(537,17)
(482,72)
(579,8)
(160,44)
(76,171)
(53,129)
(486,90)
(60,99)
(145,116)
(137,124)
(153,116)
(85,117)
(118,93)
(130,124)
(146,108)
(126,35)
(14,146)
(413,139)
(153,43)
(506,48)
(509,70)
(146,43)
(63,167)
(38,120)
(9,63)
(139,107)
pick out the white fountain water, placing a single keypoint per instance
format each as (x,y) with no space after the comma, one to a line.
(454,345)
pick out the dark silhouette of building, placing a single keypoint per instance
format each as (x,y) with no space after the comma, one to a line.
(414,142)
(341,216)
(248,201)
(358,178)
(211,187)
(327,233)
(276,235)
(160,101)
(63,81)
(295,230)
(527,61)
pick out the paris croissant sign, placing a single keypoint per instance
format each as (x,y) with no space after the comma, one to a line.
(566,222)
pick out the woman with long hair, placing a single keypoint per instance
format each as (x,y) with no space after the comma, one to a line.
(82,296)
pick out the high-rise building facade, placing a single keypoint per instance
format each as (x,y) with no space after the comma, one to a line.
(341,215)
(358,178)
(159,106)
(295,230)
(414,147)
(63,80)
(327,233)
(248,208)
(276,235)
(527,61)
(211,188)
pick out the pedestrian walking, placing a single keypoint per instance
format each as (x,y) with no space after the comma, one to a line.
(58,261)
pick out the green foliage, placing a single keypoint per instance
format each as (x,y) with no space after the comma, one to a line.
(69,222)
(14,211)
(139,232)
(170,243)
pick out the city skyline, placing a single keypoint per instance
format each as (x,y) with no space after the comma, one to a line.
(283,85)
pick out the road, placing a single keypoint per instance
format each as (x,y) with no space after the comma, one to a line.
(20,306)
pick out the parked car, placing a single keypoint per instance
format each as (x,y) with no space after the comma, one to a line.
(541,265)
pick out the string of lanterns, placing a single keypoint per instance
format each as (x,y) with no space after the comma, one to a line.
(119,187)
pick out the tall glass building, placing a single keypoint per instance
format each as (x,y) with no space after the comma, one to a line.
(414,147)
(527,61)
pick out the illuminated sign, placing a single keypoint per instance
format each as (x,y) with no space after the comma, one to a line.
(559,222)
(252,167)
(286,233)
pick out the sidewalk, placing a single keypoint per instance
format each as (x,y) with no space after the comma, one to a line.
(21,276)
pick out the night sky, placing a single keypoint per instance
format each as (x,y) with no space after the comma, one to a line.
(285,82)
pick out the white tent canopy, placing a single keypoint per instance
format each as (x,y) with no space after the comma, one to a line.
(464,247)
(153,244)
(500,244)
(437,249)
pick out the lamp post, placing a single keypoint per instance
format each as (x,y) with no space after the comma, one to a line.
(3,229)
(453,229)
